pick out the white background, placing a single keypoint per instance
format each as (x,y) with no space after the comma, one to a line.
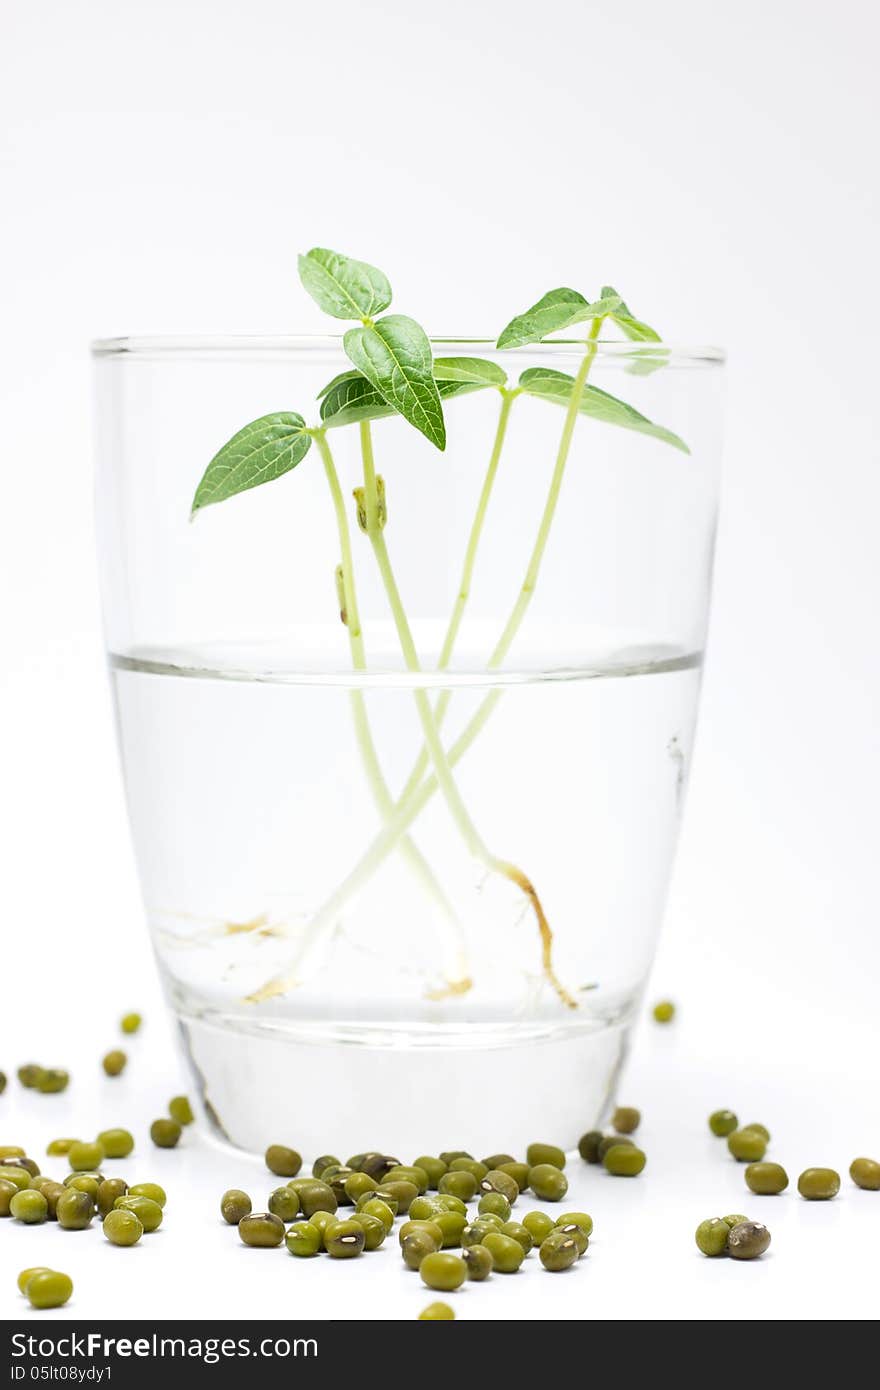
(160,167)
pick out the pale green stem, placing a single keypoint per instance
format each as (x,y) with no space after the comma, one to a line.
(470,555)
(413,801)
(456,968)
(420,766)
(442,772)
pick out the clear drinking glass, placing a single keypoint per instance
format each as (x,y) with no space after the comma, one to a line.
(359,938)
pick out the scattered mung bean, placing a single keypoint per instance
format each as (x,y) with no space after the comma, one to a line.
(444,1272)
(478,1262)
(819,1184)
(74,1210)
(264,1229)
(344,1239)
(437,1312)
(49,1289)
(748,1240)
(84,1157)
(284,1203)
(116,1143)
(122,1227)
(588,1145)
(537,1154)
(148,1189)
(558,1251)
(626,1119)
(180,1109)
(747,1145)
(235,1204)
(766,1179)
(303,1239)
(722,1123)
(165,1133)
(506,1252)
(712,1235)
(865,1173)
(148,1212)
(624,1161)
(284,1162)
(29,1207)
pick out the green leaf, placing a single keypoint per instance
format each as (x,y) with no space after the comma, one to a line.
(633,328)
(343,376)
(549,385)
(350,398)
(395,357)
(473,371)
(259,453)
(557,310)
(342,287)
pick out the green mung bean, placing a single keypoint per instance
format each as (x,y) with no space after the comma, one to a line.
(506,1252)
(148,1189)
(29,1207)
(282,1161)
(537,1154)
(304,1240)
(107,1193)
(180,1109)
(165,1133)
(588,1145)
(819,1184)
(865,1173)
(85,1158)
(74,1210)
(626,1119)
(434,1168)
(122,1227)
(49,1289)
(624,1161)
(116,1143)
(443,1272)
(722,1123)
(344,1239)
(373,1229)
(478,1262)
(437,1312)
(548,1182)
(235,1204)
(766,1179)
(664,1011)
(558,1251)
(263,1229)
(711,1236)
(283,1203)
(494,1204)
(747,1145)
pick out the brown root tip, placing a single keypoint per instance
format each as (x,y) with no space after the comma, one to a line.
(271,990)
(451,989)
(525,884)
(237,928)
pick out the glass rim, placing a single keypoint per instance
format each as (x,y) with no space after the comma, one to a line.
(282,345)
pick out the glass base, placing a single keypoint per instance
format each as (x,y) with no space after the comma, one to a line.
(403,1093)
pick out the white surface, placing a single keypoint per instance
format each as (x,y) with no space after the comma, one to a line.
(642,1261)
(161,165)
